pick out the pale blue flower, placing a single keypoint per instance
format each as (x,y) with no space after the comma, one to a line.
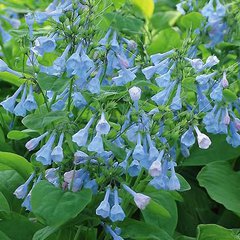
(177,101)
(30,103)
(102,126)
(22,190)
(81,137)
(96,145)
(188,138)
(19,109)
(44,154)
(44,45)
(116,212)
(52,176)
(103,209)
(157,58)
(33,143)
(78,100)
(9,103)
(57,152)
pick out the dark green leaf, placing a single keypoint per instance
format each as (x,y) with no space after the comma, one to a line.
(18,227)
(219,150)
(140,230)
(44,233)
(222,184)
(215,232)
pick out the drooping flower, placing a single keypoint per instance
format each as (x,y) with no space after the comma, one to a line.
(102,126)
(9,103)
(141,200)
(22,190)
(156,167)
(116,213)
(135,94)
(52,176)
(188,138)
(203,140)
(96,145)
(173,183)
(177,101)
(57,152)
(33,143)
(44,44)
(30,103)
(44,154)
(103,209)
(81,137)
(19,109)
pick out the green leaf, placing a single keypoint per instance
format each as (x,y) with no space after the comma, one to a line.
(44,233)
(53,83)
(189,84)
(4,206)
(124,23)
(16,162)
(165,199)
(229,95)
(10,78)
(17,135)
(219,150)
(37,121)
(146,6)
(117,151)
(215,232)
(165,40)
(191,20)
(153,209)
(184,185)
(222,184)
(18,227)
(55,206)
(3,236)
(140,230)
(9,181)
(161,20)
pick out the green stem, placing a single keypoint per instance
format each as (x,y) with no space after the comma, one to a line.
(77,233)
(70,94)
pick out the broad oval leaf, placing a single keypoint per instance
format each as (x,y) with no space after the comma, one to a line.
(56,206)
(16,162)
(146,6)
(222,184)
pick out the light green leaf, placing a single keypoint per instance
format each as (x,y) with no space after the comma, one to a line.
(37,121)
(56,206)
(191,20)
(165,40)
(146,6)
(17,135)
(161,20)
(16,162)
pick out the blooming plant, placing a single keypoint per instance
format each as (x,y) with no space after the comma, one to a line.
(120,111)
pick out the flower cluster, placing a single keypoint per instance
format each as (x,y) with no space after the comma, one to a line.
(150,127)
